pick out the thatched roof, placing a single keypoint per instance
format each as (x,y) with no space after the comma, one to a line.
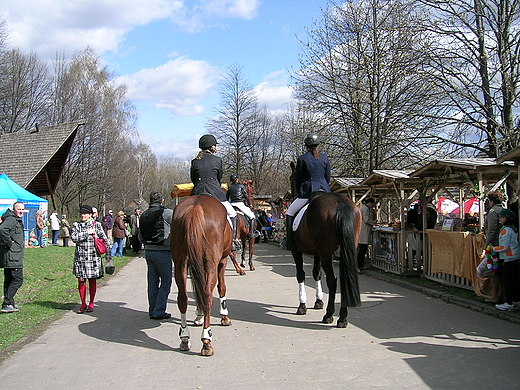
(34,158)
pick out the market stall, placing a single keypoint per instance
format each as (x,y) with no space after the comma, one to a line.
(451,254)
(393,191)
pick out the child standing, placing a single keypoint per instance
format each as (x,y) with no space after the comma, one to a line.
(509,252)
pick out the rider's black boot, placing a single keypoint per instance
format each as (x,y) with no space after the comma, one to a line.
(289,219)
(237,246)
(252,231)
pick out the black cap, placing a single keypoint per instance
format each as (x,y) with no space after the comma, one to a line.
(85,209)
(207,141)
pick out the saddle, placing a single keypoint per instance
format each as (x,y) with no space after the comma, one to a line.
(299,214)
(244,217)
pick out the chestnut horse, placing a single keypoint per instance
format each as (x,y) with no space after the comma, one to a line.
(247,244)
(331,220)
(201,242)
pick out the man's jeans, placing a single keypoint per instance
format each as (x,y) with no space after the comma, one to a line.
(117,247)
(160,268)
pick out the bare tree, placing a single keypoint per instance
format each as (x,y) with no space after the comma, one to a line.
(170,171)
(83,90)
(476,64)
(361,74)
(234,122)
(24,90)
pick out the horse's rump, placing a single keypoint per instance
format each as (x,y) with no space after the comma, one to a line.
(332,220)
(199,236)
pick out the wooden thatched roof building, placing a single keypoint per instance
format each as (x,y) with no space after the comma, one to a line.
(34,158)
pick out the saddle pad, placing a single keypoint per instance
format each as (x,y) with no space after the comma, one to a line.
(299,216)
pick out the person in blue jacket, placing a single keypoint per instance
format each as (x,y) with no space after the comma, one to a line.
(509,252)
(312,174)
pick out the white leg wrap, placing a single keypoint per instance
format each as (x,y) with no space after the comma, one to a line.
(301,293)
(184,332)
(207,334)
(223,307)
(183,320)
(198,319)
(319,290)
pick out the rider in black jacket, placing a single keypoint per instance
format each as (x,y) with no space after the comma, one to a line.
(237,195)
(206,175)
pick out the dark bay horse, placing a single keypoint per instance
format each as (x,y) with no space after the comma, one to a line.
(331,220)
(201,242)
(248,245)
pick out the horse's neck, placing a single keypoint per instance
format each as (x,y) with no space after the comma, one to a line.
(250,193)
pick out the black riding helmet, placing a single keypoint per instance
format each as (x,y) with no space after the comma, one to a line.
(233,176)
(311,140)
(207,141)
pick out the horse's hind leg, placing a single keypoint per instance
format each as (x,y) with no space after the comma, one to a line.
(332,284)
(239,270)
(243,255)
(316,274)
(207,334)
(300,277)
(182,303)
(221,287)
(251,246)
(342,321)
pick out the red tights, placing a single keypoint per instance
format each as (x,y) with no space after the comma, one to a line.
(82,288)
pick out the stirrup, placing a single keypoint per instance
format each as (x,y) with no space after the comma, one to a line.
(236,246)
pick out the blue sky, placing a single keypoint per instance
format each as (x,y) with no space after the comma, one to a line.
(172,53)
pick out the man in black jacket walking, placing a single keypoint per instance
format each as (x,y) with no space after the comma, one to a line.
(154,233)
(12,244)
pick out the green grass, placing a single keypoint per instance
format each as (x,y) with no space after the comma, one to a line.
(49,290)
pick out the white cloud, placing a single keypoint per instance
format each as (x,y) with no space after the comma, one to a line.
(274,91)
(184,149)
(47,26)
(241,9)
(177,85)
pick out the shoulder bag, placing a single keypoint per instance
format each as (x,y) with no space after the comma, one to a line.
(98,242)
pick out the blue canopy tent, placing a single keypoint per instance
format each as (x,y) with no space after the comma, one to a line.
(10,192)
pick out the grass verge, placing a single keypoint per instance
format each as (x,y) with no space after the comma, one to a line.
(49,290)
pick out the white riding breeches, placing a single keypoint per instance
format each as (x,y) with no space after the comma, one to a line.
(231,212)
(296,206)
(242,207)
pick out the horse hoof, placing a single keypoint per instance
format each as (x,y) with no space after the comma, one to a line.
(251,268)
(342,324)
(327,319)
(318,304)
(198,322)
(242,272)
(302,310)
(243,265)
(225,321)
(207,349)
(185,345)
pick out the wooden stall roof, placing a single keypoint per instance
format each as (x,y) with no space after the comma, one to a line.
(466,168)
(34,158)
(344,184)
(384,176)
(513,155)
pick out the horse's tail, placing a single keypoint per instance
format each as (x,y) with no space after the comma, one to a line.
(195,238)
(348,277)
